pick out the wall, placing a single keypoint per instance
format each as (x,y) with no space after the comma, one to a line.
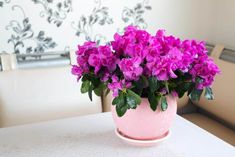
(185,18)
(53,25)
(225,23)
(35,26)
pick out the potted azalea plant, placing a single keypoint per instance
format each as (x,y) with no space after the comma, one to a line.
(146,74)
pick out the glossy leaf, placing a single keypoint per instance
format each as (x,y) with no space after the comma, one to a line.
(195,94)
(153,100)
(119,100)
(153,84)
(144,81)
(121,109)
(98,90)
(140,85)
(133,94)
(85,86)
(180,93)
(164,104)
(131,101)
(85,77)
(121,105)
(191,87)
(209,94)
(90,93)
(167,87)
(95,81)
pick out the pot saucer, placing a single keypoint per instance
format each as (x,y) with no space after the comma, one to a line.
(143,143)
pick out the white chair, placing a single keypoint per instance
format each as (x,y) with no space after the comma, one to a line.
(33,95)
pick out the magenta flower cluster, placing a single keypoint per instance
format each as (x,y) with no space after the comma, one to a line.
(137,53)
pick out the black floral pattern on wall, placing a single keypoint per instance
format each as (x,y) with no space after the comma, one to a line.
(24,39)
(99,16)
(56,14)
(134,16)
(20,35)
(2,2)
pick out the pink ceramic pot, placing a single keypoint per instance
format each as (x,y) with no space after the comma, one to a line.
(145,124)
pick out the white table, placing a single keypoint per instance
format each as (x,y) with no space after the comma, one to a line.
(94,136)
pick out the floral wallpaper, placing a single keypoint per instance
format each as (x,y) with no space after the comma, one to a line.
(38,26)
(135,16)
(55,12)
(3,2)
(21,32)
(98,16)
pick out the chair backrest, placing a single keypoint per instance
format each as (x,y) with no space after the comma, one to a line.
(223,106)
(32,95)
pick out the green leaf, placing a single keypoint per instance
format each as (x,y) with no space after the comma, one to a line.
(95,81)
(85,86)
(153,100)
(164,104)
(186,86)
(137,97)
(191,87)
(167,87)
(140,85)
(119,100)
(90,92)
(121,109)
(153,84)
(144,81)
(131,101)
(195,94)
(209,94)
(85,77)
(198,80)
(121,106)
(172,85)
(180,92)
(98,90)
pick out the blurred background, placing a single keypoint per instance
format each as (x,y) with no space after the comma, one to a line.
(39,38)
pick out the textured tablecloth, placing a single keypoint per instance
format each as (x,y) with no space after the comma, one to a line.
(93,136)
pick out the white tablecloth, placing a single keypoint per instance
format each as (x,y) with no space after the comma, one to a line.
(93,136)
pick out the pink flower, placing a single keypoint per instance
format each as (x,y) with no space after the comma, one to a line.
(131,68)
(154,49)
(118,44)
(162,69)
(102,57)
(77,71)
(174,93)
(84,49)
(206,69)
(133,43)
(175,56)
(108,59)
(117,85)
(160,33)
(94,60)
(105,77)
(136,53)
